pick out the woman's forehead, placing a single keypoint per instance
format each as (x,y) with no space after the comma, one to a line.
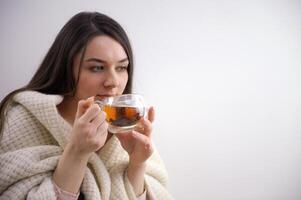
(105,48)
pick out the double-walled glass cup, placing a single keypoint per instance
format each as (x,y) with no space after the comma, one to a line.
(123,111)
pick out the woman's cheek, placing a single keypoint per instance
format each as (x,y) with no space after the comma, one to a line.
(88,86)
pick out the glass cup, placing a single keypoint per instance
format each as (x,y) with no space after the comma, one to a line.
(123,111)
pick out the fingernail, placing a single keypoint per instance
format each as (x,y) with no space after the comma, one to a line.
(91,98)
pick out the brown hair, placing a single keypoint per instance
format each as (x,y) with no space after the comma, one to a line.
(55,74)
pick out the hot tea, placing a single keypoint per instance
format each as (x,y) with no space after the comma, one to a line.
(122,116)
(123,111)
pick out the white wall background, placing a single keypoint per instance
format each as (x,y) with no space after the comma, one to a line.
(224,77)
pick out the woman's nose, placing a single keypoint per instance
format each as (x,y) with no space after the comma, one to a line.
(111,80)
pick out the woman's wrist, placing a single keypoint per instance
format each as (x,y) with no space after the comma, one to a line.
(73,152)
(136,168)
(70,170)
(137,165)
(135,173)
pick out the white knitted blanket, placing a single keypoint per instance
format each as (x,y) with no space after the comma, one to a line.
(33,140)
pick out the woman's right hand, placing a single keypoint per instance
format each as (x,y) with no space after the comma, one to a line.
(88,134)
(89,131)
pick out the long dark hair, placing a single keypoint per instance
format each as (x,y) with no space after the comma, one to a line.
(55,74)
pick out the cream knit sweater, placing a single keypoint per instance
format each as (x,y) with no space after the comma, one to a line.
(33,140)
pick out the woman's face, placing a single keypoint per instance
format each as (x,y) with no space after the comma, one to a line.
(104,69)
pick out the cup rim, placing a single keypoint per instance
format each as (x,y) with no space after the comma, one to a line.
(110,100)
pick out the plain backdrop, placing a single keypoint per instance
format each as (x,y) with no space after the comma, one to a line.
(224,77)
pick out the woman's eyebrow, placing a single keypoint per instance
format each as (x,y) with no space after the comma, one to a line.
(95,60)
(123,60)
(102,61)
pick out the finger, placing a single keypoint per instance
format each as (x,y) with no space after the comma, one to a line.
(82,106)
(99,119)
(91,113)
(144,127)
(80,109)
(101,136)
(102,130)
(151,114)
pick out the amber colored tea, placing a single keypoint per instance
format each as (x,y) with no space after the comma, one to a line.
(122,116)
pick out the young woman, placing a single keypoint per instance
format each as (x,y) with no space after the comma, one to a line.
(54,139)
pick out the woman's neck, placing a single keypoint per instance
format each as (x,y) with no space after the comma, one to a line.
(67,109)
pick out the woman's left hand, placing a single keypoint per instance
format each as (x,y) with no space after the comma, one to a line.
(138,142)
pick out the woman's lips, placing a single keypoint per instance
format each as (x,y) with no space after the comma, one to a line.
(103,96)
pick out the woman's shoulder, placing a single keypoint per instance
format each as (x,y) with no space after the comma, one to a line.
(30,97)
(28,106)
(23,120)
(22,129)
(32,104)
(15,113)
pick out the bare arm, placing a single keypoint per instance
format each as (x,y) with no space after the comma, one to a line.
(70,171)
(135,175)
(88,135)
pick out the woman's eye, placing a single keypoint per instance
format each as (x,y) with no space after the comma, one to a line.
(122,68)
(97,68)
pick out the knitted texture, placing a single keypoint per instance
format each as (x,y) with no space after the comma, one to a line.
(33,140)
